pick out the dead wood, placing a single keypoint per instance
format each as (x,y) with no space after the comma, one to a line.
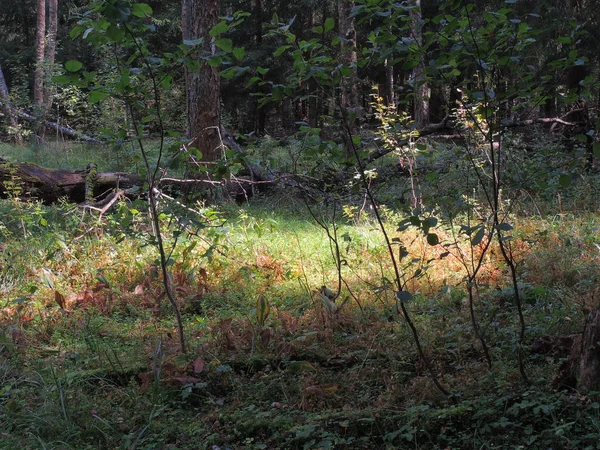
(66,131)
(50,185)
(581,369)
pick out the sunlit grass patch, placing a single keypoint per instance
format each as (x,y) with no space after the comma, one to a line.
(307,369)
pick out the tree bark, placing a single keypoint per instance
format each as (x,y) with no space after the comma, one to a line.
(388,96)
(6,107)
(349,91)
(40,45)
(421,88)
(202,87)
(589,364)
(50,54)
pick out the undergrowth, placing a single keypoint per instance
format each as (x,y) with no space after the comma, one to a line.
(89,355)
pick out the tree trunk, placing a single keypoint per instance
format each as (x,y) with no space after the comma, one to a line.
(421,88)
(312,102)
(202,87)
(589,364)
(5,106)
(388,96)
(349,92)
(40,44)
(50,53)
(260,113)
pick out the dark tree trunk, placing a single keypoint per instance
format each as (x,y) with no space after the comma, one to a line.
(202,87)
(287,115)
(388,96)
(589,364)
(313,87)
(313,105)
(436,105)
(260,113)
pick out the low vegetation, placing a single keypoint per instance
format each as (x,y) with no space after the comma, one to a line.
(90,357)
(354,224)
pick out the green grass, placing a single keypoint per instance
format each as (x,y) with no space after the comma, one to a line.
(106,373)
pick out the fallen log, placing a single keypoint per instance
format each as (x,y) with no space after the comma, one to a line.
(68,131)
(50,185)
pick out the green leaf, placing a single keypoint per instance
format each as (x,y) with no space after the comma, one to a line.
(433,239)
(224,44)
(596,149)
(564,180)
(141,10)
(73,66)
(219,28)
(252,81)
(229,73)
(192,42)
(263,308)
(280,51)
(97,96)
(238,53)
(402,226)
(476,240)
(404,296)
(166,82)
(329,24)
(63,79)
(504,226)
(300,366)
(431,221)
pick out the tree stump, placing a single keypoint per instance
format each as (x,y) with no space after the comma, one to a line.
(589,363)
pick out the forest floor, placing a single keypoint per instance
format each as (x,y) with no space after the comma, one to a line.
(90,358)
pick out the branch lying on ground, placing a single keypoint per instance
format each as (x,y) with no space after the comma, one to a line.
(55,126)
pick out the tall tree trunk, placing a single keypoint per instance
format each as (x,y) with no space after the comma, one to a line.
(6,107)
(50,53)
(388,92)
(202,87)
(421,88)
(349,92)
(313,86)
(40,45)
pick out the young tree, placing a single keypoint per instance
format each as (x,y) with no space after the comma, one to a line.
(202,85)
